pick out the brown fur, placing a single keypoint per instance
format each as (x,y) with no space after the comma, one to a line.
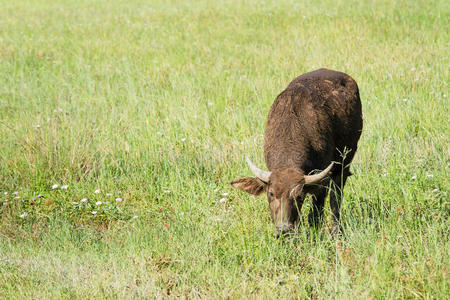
(312,121)
(309,125)
(250,185)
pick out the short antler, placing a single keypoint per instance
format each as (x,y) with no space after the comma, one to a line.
(310,179)
(261,174)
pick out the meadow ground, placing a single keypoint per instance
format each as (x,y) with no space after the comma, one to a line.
(154,104)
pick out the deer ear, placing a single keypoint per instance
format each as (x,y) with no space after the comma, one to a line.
(250,185)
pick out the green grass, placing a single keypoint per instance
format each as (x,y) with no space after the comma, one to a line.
(148,97)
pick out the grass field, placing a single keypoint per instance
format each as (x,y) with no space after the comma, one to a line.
(155,103)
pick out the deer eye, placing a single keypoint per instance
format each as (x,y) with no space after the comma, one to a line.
(270,194)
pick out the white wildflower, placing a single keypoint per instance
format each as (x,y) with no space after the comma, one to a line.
(74,203)
(223,200)
(39,196)
(24,215)
(183,139)
(16,198)
(167,191)
(159,133)
(98,203)
(55,186)
(225,194)
(15,193)
(64,187)
(108,194)
(119,199)
(94,213)
(5,193)
(430,175)
(219,219)
(435,190)
(97,191)
(135,217)
(414,177)
(83,200)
